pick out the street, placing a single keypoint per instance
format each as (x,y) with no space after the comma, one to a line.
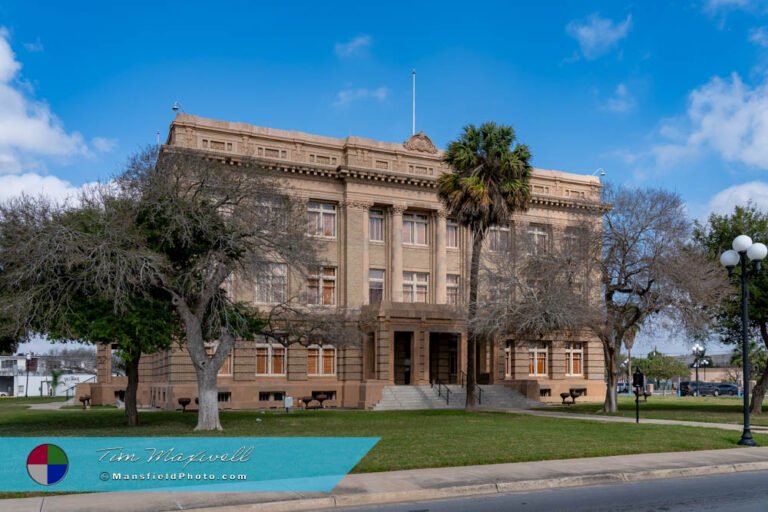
(736,492)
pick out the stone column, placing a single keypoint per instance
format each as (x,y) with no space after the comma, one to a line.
(440,279)
(103,363)
(364,258)
(423,358)
(355,268)
(396,279)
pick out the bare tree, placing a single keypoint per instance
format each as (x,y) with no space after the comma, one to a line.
(176,225)
(647,269)
(607,278)
(530,290)
(209,220)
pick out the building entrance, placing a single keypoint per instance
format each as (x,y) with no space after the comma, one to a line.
(403,358)
(444,357)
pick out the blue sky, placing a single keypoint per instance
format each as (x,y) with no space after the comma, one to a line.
(669,94)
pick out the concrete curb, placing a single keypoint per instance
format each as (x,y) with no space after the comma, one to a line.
(352,500)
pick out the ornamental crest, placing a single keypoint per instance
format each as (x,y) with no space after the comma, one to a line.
(420,143)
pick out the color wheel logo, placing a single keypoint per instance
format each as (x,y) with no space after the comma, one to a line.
(47,464)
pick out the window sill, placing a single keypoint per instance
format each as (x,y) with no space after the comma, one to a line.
(416,246)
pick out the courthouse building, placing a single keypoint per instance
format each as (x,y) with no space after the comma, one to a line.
(390,253)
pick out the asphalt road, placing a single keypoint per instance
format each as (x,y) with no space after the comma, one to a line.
(735,492)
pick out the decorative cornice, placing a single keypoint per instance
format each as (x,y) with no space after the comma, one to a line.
(357,205)
(421,143)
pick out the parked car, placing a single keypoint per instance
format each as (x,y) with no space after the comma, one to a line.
(728,389)
(698,389)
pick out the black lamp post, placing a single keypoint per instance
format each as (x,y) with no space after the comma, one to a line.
(744,249)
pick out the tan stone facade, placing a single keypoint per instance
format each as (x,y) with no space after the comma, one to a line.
(391,254)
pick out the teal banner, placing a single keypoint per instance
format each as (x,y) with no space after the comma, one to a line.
(98,464)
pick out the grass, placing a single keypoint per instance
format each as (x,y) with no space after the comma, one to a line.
(409,439)
(707,409)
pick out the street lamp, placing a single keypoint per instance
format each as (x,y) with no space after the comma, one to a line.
(26,388)
(698,360)
(744,249)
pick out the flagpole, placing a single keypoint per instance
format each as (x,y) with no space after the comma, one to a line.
(413,106)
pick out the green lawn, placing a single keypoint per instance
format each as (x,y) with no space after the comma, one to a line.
(709,409)
(409,439)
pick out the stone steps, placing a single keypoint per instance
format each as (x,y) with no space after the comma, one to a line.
(426,397)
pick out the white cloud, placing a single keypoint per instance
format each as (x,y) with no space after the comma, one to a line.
(29,130)
(726,200)
(724,116)
(731,118)
(356,46)
(34,47)
(597,35)
(103,145)
(713,5)
(621,102)
(759,36)
(13,185)
(348,96)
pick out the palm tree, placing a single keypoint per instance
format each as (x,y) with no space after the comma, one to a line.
(488,183)
(55,380)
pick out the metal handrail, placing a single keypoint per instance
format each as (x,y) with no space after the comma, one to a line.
(478,389)
(440,385)
(66,391)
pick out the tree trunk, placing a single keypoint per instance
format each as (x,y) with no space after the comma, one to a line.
(611,374)
(758,392)
(474,272)
(131,390)
(206,368)
(208,396)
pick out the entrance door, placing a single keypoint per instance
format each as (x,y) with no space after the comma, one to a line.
(443,357)
(403,358)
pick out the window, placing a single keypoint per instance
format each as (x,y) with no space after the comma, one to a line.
(270,359)
(321,219)
(226,368)
(452,234)
(537,358)
(321,360)
(272,210)
(499,238)
(415,286)
(574,356)
(375,286)
(322,287)
(271,396)
(508,350)
(538,239)
(453,288)
(376,225)
(271,283)
(414,229)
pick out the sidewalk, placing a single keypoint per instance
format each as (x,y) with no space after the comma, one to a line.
(623,419)
(420,484)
